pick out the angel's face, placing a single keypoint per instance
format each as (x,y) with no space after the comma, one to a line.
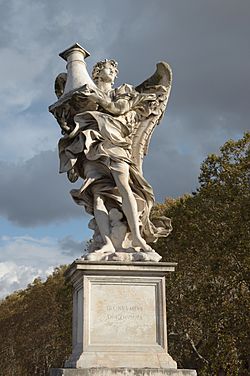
(108,73)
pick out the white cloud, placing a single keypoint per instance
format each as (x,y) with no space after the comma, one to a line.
(34,257)
(15,277)
(36,252)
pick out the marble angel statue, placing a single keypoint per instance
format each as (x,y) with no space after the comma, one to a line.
(106,132)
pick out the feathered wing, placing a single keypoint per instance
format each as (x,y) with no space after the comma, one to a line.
(160,85)
(60,83)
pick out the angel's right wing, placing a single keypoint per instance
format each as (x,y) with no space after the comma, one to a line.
(160,85)
(162,76)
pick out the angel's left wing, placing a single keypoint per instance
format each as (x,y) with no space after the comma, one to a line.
(160,85)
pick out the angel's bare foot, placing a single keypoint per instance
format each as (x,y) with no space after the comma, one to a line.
(140,242)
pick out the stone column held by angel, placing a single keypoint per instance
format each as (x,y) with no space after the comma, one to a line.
(106,133)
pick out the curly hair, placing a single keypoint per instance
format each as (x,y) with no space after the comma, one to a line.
(98,67)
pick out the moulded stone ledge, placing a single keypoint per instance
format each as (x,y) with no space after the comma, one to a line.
(121,372)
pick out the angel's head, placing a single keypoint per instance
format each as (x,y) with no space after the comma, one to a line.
(105,71)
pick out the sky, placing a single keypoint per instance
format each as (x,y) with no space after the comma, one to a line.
(205,42)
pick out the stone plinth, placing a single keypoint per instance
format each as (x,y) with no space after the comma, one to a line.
(119,320)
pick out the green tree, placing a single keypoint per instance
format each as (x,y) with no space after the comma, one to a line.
(35,327)
(208,295)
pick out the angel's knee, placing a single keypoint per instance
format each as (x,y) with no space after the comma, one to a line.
(97,200)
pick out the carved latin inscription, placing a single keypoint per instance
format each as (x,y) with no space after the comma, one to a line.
(124,312)
(121,314)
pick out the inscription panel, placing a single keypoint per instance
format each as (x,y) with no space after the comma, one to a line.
(122,314)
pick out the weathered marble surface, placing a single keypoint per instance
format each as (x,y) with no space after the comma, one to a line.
(122,372)
(106,133)
(119,320)
(119,315)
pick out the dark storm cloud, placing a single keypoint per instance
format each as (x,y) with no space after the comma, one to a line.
(34,193)
(71,247)
(207,45)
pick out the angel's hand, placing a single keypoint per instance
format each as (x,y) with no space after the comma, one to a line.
(94,97)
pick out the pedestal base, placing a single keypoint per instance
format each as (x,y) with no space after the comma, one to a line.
(119,320)
(119,315)
(121,372)
(122,359)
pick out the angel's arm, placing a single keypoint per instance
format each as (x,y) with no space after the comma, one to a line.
(122,105)
(118,107)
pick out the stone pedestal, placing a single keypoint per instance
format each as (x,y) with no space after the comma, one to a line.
(119,320)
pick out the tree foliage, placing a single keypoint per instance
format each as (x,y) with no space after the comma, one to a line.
(208,295)
(35,327)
